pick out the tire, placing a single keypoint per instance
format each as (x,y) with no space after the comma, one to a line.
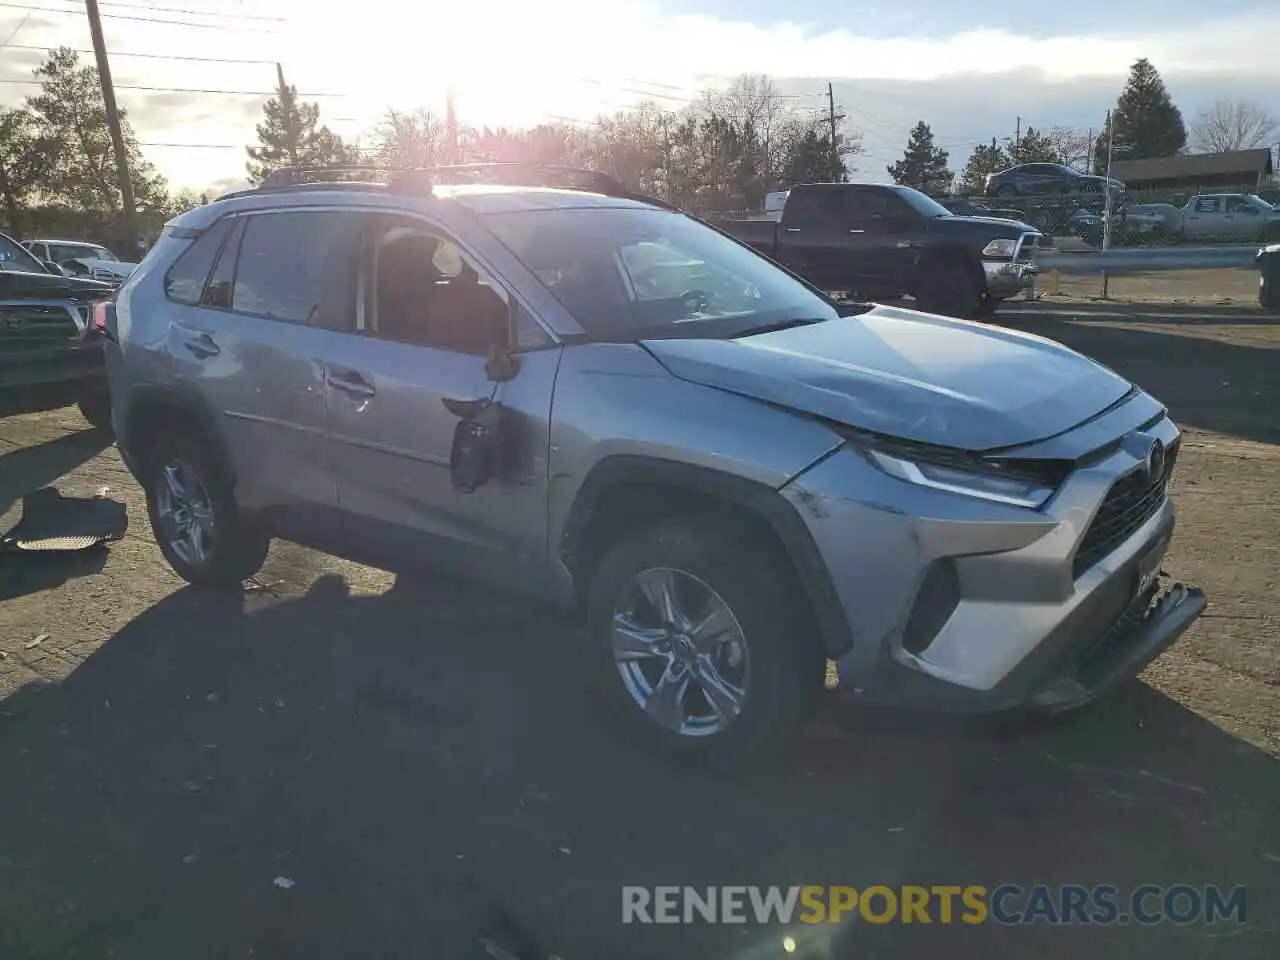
(1007,190)
(948,288)
(96,409)
(771,661)
(987,308)
(237,550)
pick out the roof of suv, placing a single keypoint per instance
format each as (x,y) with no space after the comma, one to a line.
(478,198)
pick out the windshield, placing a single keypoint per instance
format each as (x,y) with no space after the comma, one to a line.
(627,273)
(79,251)
(14,258)
(923,205)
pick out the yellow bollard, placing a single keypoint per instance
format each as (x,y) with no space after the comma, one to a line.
(1054,278)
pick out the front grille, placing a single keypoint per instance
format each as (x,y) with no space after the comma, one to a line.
(35,322)
(1131,502)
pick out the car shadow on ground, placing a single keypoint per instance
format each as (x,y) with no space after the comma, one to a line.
(28,468)
(328,775)
(1207,383)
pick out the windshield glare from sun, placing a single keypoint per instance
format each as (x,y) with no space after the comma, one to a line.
(626,273)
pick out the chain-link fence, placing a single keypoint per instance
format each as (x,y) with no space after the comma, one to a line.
(1139,219)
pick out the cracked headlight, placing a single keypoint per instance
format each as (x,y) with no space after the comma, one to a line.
(984,484)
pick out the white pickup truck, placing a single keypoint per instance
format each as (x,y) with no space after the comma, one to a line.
(75,258)
(1241,217)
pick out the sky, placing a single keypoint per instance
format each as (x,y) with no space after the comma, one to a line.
(969,70)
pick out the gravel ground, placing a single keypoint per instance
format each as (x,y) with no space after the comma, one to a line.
(1222,286)
(414,758)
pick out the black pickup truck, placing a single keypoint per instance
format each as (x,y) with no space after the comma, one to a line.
(879,241)
(50,355)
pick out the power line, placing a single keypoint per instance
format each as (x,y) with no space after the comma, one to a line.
(190,12)
(151,56)
(136,19)
(230,93)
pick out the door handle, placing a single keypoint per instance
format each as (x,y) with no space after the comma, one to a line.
(857,231)
(791,229)
(203,346)
(349,382)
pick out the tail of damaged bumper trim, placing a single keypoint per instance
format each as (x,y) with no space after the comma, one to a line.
(1127,656)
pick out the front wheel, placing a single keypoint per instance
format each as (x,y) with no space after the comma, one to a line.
(196,521)
(949,289)
(697,643)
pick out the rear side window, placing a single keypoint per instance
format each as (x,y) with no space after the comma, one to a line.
(1207,205)
(298,266)
(185,279)
(217,292)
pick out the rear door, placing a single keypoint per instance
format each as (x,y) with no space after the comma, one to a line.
(250,348)
(1243,220)
(813,239)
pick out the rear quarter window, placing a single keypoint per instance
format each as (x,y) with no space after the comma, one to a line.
(185,280)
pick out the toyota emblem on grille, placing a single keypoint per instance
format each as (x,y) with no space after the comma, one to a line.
(1155,461)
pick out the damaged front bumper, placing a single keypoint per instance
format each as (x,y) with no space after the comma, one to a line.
(1006,278)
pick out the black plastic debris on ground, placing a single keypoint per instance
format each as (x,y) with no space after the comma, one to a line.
(54,523)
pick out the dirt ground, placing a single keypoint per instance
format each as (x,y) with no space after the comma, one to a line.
(340,765)
(1219,286)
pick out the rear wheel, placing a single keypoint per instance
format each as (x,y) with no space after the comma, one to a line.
(96,409)
(948,288)
(1007,190)
(697,644)
(196,521)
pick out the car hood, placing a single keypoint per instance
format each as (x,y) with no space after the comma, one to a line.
(1014,228)
(47,286)
(909,375)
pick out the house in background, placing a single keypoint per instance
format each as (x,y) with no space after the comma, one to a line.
(1239,170)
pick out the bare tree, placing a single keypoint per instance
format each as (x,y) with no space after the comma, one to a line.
(412,138)
(1233,125)
(1072,146)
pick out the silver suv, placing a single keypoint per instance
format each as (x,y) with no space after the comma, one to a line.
(597,400)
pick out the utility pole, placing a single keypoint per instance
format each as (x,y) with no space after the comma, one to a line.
(451,128)
(1106,209)
(831,118)
(1017,137)
(113,124)
(1088,157)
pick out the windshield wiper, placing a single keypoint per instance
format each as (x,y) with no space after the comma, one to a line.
(778,325)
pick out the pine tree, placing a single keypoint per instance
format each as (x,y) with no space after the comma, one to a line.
(1145,122)
(984,160)
(289,136)
(1034,147)
(923,165)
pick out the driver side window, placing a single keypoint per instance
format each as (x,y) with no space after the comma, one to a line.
(420,287)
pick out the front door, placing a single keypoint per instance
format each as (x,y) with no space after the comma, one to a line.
(418,341)
(1204,219)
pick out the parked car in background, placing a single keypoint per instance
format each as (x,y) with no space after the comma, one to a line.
(879,241)
(1152,223)
(50,355)
(77,259)
(968,207)
(1047,179)
(1233,217)
(594,399)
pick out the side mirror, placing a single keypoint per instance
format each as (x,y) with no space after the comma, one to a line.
(476,457)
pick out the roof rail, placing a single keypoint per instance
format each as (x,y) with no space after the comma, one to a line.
(294,176)
(420,179)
